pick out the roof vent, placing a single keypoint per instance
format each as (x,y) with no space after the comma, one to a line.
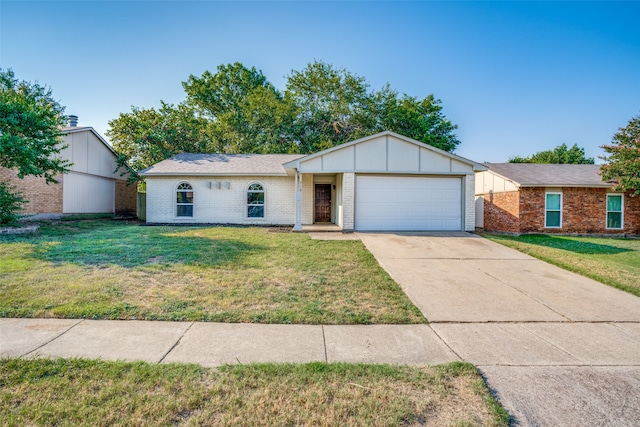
(73,121)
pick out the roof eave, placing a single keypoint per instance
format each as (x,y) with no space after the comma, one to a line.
(142,173)
(603,185)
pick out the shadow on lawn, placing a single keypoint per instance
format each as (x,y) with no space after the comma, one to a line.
(572,244)
(139,248)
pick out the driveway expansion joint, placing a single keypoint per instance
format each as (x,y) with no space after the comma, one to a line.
(445,343)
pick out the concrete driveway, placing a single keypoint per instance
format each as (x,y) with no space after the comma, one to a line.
(556,347)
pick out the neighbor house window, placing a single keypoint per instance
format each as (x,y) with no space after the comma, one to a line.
(614,211)
(553,210)
(255,201)
(184,200)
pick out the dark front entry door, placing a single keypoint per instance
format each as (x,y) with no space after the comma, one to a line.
(323,203)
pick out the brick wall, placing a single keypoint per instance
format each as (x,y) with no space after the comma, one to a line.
(126,197)
(221,205)
(532,211)
(469,203)
(501,212)
(308,198)
(583,212)
(348,201)
(42,197)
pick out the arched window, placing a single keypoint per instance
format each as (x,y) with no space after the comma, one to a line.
(184,199)
(255,200)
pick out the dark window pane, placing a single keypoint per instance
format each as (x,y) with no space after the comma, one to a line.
(255,198)
(614,203)
(614,219)
(553,201)
(255,211)
(553,219)
(255,187)
(184,196)
(185,210)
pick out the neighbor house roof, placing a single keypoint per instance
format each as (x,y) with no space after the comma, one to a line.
(222,164)
(550,175)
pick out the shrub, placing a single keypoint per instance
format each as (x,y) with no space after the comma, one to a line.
(10,205)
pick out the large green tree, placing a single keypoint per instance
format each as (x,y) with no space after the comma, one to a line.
(246,112)
(237,110)
(623,159)
(30,128)
(559,155)
(420,119)
(333,106)
(147,136)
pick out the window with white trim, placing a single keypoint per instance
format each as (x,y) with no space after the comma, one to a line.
(255,200)
(553,210)
(184,200)
(615,211)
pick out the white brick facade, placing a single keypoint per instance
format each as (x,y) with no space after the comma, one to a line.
(469,203)
(348,201)
(221,205)
(220,183)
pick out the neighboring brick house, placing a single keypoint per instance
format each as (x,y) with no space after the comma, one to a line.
(524,198)
(91,186)
(382,182)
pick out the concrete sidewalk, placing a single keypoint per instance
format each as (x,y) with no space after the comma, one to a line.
(213,344)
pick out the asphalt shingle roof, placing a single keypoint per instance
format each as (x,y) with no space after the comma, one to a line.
(550,175)
(222,164)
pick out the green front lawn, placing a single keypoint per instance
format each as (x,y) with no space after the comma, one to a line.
(613,261)
(98,393)
(105,269)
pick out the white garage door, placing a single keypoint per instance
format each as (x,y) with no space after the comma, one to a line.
(87,194)
(408,203)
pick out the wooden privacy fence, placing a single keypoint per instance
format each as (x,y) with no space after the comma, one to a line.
(142,206)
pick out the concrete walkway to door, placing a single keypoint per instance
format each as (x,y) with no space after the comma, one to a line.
(556,347)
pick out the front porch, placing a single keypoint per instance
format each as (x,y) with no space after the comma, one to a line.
(321,227)
(319,202)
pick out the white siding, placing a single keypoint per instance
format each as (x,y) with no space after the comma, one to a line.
(386,154)
(371,155)
(403,156)
(87,194)
(488,182)
(89,155)
(222,205)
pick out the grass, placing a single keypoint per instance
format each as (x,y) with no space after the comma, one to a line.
(612,261)
(91,392)
(102,269)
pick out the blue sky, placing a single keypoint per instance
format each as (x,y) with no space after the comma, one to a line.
(516,77)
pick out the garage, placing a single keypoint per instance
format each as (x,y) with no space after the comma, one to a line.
(388,182)
(408,203)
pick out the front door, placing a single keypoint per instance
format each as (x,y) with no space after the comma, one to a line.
(323,203)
